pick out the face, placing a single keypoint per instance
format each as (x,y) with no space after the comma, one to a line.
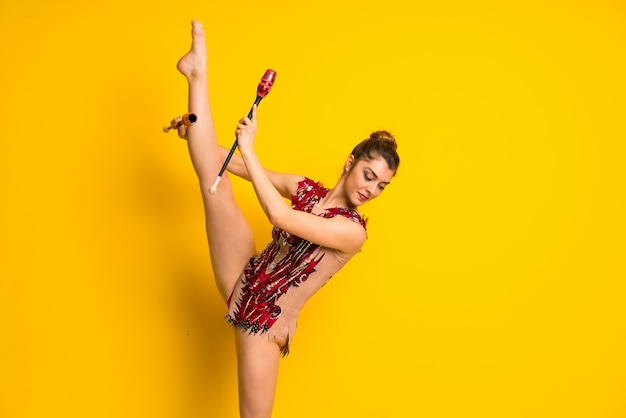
(366,179)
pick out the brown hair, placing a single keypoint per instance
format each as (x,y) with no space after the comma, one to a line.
(380,143)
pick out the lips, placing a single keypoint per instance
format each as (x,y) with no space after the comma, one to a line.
(362,197)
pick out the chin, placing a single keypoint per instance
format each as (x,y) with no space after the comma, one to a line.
(358,202)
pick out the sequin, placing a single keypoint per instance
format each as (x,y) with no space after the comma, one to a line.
(286,263)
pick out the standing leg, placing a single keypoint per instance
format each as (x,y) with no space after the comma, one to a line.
(231,242)
(257,357)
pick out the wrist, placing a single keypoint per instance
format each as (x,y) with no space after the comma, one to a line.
(246,149)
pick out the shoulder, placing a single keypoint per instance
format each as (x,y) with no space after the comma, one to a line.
(308,192)
(306,185)
(351,214)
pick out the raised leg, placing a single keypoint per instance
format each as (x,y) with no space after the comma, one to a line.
(231,242)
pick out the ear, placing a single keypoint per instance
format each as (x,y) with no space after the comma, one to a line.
(349,163)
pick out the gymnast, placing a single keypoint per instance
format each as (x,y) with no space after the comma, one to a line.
(311,239)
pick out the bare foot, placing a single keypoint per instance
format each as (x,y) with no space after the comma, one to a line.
(194,62)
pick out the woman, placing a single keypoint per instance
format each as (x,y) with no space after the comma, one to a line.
(312,239)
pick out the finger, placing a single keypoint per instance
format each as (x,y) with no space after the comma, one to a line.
(254,113)
(182,131)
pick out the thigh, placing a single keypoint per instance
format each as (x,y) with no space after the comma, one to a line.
(257,360)
(231,242)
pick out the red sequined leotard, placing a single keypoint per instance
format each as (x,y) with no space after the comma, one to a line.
(276,283)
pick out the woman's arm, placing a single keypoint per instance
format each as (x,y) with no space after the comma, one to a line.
(285,183)
(340,233)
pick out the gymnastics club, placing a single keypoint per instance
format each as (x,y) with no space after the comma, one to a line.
(188,119)
(265,85)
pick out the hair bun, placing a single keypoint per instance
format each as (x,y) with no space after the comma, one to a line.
(385,137)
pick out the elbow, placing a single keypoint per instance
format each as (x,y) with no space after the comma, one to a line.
(278,216)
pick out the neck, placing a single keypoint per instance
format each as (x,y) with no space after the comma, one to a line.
(325,200)
(331,200)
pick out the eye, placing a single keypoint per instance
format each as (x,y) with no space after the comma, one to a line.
(368,176)
(382,187)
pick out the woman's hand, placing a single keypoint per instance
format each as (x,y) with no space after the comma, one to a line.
(182,128)
(246,130)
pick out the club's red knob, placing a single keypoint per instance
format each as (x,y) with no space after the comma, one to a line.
(266,83)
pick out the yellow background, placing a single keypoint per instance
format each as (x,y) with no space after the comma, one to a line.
(493,283)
